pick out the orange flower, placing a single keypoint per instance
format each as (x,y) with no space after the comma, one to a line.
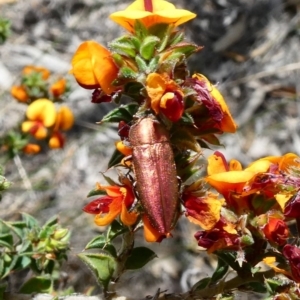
(41,114)
(19,93)
(58,87)
(31,149)
(151,12)
(276,231)
(125,150)
(117,202)
(151,235)
(165,96)
(226,123)
(93,67)
(33,69)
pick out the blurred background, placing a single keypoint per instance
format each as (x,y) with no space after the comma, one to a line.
(251,51)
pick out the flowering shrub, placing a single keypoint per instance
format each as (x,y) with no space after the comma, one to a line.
(166,117)
(243,214)
(44,122)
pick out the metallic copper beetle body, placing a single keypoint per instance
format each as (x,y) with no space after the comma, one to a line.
(155,171)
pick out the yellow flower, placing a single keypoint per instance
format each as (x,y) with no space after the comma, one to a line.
(64,121)
(93,67)
(41,114)
(150,13)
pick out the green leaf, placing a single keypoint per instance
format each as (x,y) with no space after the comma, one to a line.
(115,159)
(102,265)
(139,257)
(127,73)
(123,113)
(142,65)
(29,220)
(176,38)
(8,265)
(118,59)
(257,287)
(160,29)
(22,263)
(4,227)
(37,284)
(148,47)
(96,243)
(153,64)
(184,140)
(18,228)
(6,240)
(52,221)
(220,271)
(100,242)
(115,230)
(185,48)
(140,30)
(201,284)
(111,249)
(96,192)
(212,139)
(123,47)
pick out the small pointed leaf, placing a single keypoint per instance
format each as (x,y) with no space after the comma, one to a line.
(96,243)
(29,220)
(201,284)
(148,47)
(37,284)
(115,230)
(140,30)
(123,113)
(220,271)
(102,265)
(139,257)
(127,73)
(96,192)
(184,140)
(141,64)
(115,159)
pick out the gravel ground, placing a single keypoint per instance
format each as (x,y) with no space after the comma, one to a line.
(251,51)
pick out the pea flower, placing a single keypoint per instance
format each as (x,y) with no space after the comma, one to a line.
(31,148)
(204,211)
(64,121)
(19,92)
(41,114)
(165,96)
(93,67)
(58,87)
(118,201)
(210,96)
(151,12)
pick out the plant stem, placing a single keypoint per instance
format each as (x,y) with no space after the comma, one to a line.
(124,253)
